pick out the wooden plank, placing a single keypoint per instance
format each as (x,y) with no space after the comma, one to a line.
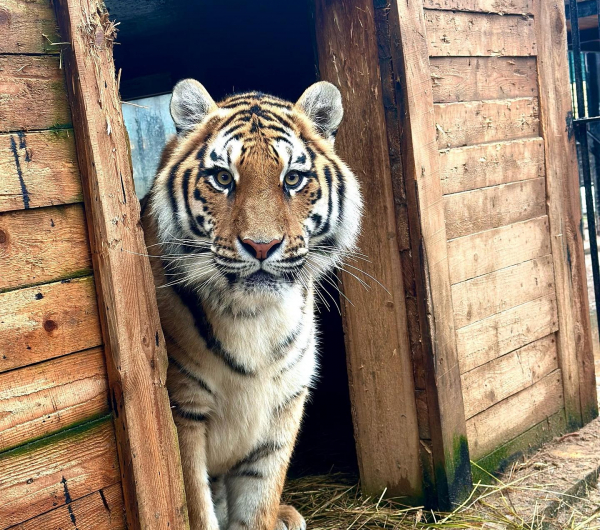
(102,510)
(23,24)
(380,341)
(474,78)
(514,415)
(56,470)
(32,93)
(134,345)
(478,166)
(48,397)
(43,245)
(478,34)
(564,212)
(495,249)
(38,169)
(498,291)
(501,7)
(48,321)
(477,122)
(493,382)
(499,334)
(486,208)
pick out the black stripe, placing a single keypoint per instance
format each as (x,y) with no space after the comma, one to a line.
(13,147)
(280,408)
(300,356)
(325,227)
(281,349)
(249,473)
(184,371)
(262,451)
(186,198)
(187,414)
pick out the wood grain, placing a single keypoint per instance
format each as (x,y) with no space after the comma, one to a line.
(474,78)
(42,245)
(32,93)
(478,34)
(479,166)
(47,397)
(504,332)
(476,122)
(516,7)
(23,24)
(38,169)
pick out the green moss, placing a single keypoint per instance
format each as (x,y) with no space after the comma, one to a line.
(453,479)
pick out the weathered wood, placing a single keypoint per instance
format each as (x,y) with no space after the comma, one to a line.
(33,94)
(499,334)
(478,166)
(514,415)
(502,7)
(385,421)
(56,470)
(476,122)
(479,34)
(38,169)
(23,24)
(43,245)
(474,78)
(134,345)
(486,208)
(48,321)
(48,397)
(498,291)
(495,381)
(102,510)
(488,251)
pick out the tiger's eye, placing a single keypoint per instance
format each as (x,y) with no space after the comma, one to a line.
(292,179)
(224,178)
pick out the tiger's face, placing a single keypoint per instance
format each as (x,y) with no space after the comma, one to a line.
(253,198)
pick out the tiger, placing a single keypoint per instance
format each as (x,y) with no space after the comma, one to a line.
(250,208)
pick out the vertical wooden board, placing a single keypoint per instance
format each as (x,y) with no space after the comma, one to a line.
(516,7)
(478,34)
(102,510)
(493,382)
(504,332)
(378,352)
(42,245)
(33,93)
(457,79)
(477,210)
(513,416)
(23,24)
(48,397)
(479,166)
(54,471)
(498,291)
(40,323)
(495,249)
(38,169)
(477,122)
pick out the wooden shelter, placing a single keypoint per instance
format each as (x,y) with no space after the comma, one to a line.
(457,122)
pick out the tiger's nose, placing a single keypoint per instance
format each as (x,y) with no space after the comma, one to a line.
(261,250)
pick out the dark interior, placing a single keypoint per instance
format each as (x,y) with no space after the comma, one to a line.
(232,47)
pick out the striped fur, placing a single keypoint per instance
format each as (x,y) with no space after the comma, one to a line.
(241,332)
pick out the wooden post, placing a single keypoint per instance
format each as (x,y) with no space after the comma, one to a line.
(134,344)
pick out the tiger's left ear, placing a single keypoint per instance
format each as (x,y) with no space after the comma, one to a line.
(190,103)
(322,103)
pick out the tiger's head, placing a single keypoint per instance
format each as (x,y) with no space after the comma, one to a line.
(252,198)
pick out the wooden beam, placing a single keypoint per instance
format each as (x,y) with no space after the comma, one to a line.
(500,7)
(28,26)
(134,344)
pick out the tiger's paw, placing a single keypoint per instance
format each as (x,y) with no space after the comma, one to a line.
(290,519)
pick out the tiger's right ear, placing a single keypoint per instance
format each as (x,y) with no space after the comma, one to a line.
(190,103)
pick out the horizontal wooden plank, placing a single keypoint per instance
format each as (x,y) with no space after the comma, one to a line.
(33,94)
(47,397)
(102,510)
(499,334)
(56,470)
(493,382)
(495,249)
(23,24)
(48,321)
(478,166)
(478,122)
(498,291)
(38,169)
(513,416)
(479,34)
(42,245)
(457,79)
(477,210)
(501,7)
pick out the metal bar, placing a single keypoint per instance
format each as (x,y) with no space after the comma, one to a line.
(587,8)
(587,119)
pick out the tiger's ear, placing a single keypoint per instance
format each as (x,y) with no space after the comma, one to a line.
(190,103)
(322,103)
